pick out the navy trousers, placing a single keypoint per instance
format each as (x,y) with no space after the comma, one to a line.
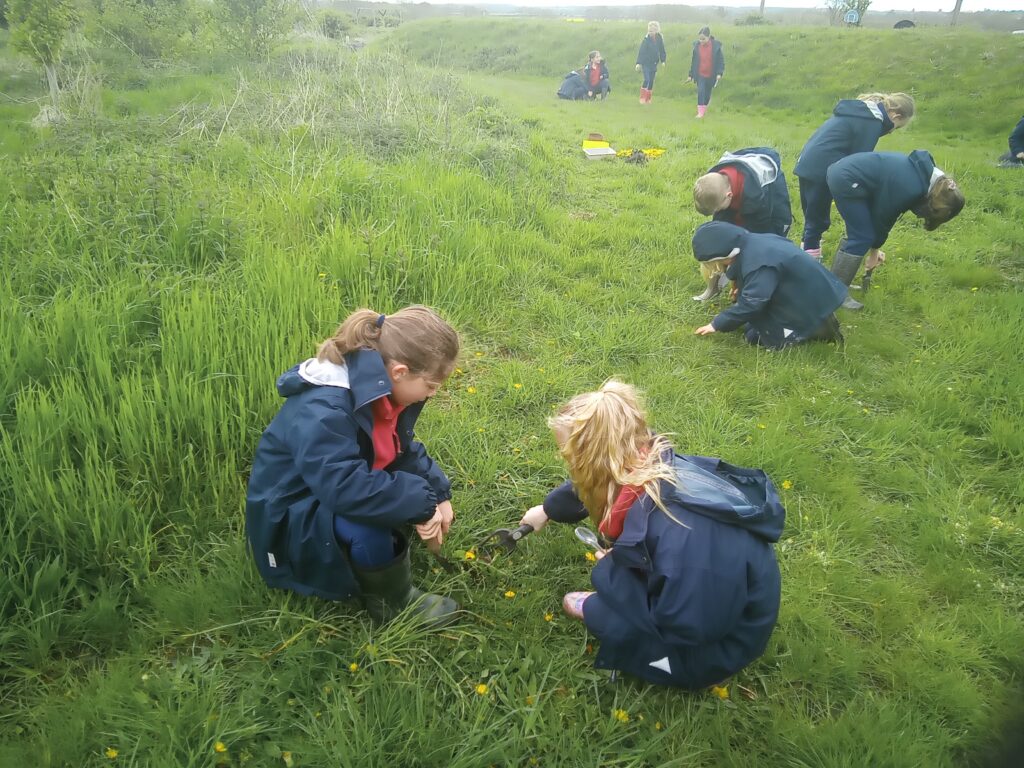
(816,203)
(368,547)
(704,88)
(860,232)
(649,73)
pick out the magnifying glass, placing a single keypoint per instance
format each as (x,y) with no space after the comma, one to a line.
(589,538)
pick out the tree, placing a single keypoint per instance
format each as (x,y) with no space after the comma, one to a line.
(254,26)
(39,29)
(956,11)
(837,10)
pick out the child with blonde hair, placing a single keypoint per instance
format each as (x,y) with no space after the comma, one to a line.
(651,53)
(855,126)
(337,479)
(747,188)
(688,592)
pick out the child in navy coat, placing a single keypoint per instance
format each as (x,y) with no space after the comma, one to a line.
(651,53)
(688,593)
(707,65)
(748,188)
(872,190)
(1015,157)
(855,126)
(338,480)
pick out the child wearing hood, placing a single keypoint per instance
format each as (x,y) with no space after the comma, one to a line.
(747,188)
(688,593)
(855,126)
(338,481)
(784,296)
(1015,157)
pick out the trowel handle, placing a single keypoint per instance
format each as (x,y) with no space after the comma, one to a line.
(522,531)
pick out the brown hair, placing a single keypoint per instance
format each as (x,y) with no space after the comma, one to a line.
(944,202)
(706,31)
(415,336)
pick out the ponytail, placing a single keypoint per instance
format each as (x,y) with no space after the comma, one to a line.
(895,103)
(415,336)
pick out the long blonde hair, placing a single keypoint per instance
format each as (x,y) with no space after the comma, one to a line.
(895,103)
(606,444)
(415,336)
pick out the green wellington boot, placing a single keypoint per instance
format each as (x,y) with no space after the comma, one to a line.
(845,266)
(388,590)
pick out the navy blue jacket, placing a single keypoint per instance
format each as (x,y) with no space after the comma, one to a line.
(572,87)
(314,462)
(890,183)
(1017,138)
(590,66)
(718,60)
(651,51)
(688,601)
(781,286)
(853,127)
(764,207)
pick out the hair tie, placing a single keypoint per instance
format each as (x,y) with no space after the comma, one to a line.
(380,321)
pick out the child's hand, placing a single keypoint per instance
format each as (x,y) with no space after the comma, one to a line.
(637,67)
(535,516)
(689,79)
(704,330)
(431,529)
(875,258)
(447,515)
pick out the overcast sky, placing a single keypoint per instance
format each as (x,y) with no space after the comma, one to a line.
(880,5)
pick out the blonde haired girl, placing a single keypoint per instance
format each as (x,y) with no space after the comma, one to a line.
(651,53)
(337,478)
(688,592)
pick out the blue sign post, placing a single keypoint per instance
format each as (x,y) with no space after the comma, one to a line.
(852,18)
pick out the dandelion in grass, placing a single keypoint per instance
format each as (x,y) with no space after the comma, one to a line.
(330,688)
(353,667)
(541,370)
(762,426)
(471,390)
(591,558)
(721,691)
(322,275)
(510,594)
(974,289)
(517,385)
(658,726)
(470,555)
(111,753)
(459,371)
(481,689)
(220,747)
(549,616)
(849,391)
(292,702)
(786,485)
(479,354)
(288,761)
(529,701)
(621,715)
(865,410)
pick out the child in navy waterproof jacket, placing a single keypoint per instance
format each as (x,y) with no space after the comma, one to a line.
(747,188)
(338,479)
(855,126)
(688,593)
(872,190)
(595,76)
(784,296)
(707,65)
(651,53)
(1015,157)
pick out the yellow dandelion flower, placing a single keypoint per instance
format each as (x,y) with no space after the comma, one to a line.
(974,289)
(481,689)
(510,594)
(621,715)
(540,370)
(111,753)
(470,555)
(220,746)
(459,371)
(721,691)
(590,557)
(288,761)
(786,485)
(529,701)
(849,391)
(353,667)
(865,410)
(330,688)
(292,702)
(549,616)
(317,714)
(322,274)
(471,390)
(658,726)
(479,354)
(517,385)
(762,426)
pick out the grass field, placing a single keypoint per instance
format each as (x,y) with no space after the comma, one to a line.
(193,231)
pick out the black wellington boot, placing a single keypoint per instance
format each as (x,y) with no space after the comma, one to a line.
(388,590)
(845,266)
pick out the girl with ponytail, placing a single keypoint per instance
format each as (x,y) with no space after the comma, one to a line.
(338,479)
(688,592)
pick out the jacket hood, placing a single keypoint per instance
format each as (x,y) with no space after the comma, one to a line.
(716,239)
(743,498)
(763,167)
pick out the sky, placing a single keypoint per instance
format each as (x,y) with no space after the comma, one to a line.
(878,5)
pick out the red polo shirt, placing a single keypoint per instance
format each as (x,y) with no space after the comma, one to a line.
(385,431)
(736,179)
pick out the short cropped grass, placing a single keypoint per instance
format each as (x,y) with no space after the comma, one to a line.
(166,256)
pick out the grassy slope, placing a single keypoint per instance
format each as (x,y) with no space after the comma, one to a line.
(155,283)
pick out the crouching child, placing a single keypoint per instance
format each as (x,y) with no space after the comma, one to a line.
(688,593)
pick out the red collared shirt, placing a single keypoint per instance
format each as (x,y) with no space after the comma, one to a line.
(385,431)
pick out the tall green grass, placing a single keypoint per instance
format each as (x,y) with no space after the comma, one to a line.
(166,258)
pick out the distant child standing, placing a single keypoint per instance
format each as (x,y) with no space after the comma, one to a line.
(855,126)
(651,53)
(707,65)
(688,593)
(872,190)
(747,188)
(338,479)
(595,75)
